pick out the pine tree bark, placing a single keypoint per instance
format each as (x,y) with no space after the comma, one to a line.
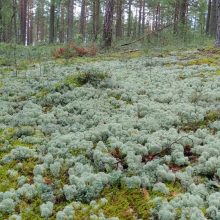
(14,18)
(140,16)
(62,24)
(157,16)
(52,22)
(143,16)
(213,22)
(30,23)
(217,43)
(108,22)
(176,17)
(82,26)
(96,19)
(208,17)
(1,21)
(135,24)
(70,7)
(183,11)
(119,12)
(40,29)
(129,18)
(23,20)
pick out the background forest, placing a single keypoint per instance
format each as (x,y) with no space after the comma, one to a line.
(82,21)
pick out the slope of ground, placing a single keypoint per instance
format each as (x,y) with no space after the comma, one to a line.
(113,139)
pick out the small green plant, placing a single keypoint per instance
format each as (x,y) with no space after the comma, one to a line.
(91,76)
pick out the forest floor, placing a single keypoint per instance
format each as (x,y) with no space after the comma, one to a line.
(124,135)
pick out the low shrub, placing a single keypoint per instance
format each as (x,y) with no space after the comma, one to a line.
(74,51)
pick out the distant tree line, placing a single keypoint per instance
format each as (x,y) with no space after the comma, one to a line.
(53,21)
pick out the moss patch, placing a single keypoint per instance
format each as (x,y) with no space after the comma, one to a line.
(210,117)
(6,182)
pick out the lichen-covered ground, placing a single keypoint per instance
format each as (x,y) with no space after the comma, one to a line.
(127,137)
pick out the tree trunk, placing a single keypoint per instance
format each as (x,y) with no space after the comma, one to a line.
(119,19)
(14,18)
(157,17)
(40,29)
(70,8)
(62,24)
(23,20)
(176,17)
(143,17)
(213,22)
(52,22)
(129,18)
(183,11)
(1,21)
(135,23)
(82,26)
(208,17)
(140,17)
(30,23)
(96,18)
(217,43)
(108,21)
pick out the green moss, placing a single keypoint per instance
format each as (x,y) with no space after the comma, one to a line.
(5,61)
(42,93)
(23,65)
(19,142)
(201,61)
(6,69)
(210,117)
(1,84)
(30,210)
(218,72)
(101,57)
(92,76)
(28,167)
(126,203)
(6,182)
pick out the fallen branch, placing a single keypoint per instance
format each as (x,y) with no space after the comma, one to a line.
(148,34)
(130,51)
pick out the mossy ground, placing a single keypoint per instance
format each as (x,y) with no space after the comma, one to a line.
(122,202)
(210,117)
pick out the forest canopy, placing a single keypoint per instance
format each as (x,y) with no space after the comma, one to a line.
(58,21)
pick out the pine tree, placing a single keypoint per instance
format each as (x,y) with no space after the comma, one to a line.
(108,22)
(52,22)
(218,24)
(70,7)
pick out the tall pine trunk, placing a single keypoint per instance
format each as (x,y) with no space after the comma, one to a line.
(96,18)
(119,19)
(40,29)
(82,25)
(208,17)
(143,17)
(62,24)
(176,16)
(23,20)
(129,18)
(183,12)
(30,23)
(217,43)
(52,22)
(213,22)
(108,22)
(157,25)
(140,16)
(14,18)
(135,23)
(70,7)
